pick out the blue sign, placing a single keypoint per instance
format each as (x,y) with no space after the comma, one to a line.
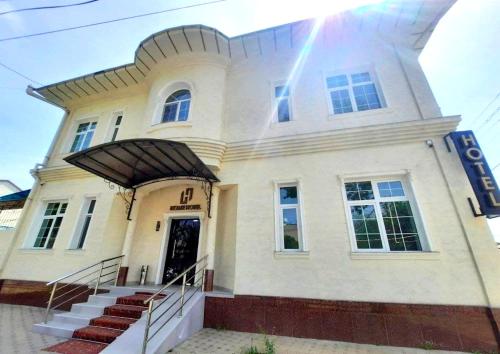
(479,173)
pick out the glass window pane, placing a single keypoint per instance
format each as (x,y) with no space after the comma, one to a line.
(283,110)
(281,91)
(400,226)
(359,191)
(43,233)
(87,140)
(170,112)
(84,231)
(184,110)
(290,229)
(82,127)
(53,234)
(337,81)
(179,95)
(76,143)
(403,208)
(341,101)
(91,206)
(118,120)
(288,195)
(366,227)
(63,208)
(366,97)
(361,77)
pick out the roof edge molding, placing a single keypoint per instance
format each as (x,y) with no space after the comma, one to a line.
(415,21)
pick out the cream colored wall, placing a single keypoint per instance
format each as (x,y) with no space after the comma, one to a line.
(6,237)
(104,238)
(225,246)
(330,271)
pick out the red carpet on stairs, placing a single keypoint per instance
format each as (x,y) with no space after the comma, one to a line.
(103,330)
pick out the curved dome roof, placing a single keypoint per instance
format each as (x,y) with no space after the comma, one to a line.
(160,45)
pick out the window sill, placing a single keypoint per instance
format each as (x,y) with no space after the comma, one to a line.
(166,125)
(291,254)
(77,251)
(36,250)
(356,114)
(423,256)
(276,124)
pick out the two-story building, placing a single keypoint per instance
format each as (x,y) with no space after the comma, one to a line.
(306,160)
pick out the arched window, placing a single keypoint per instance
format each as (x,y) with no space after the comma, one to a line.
(177,106)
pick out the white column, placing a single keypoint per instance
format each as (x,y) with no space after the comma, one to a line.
(129,234)
(212,228)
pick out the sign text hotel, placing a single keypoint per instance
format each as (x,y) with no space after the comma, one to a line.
(479,173)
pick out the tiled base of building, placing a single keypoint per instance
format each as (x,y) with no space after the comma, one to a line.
(465,328)
(33,293)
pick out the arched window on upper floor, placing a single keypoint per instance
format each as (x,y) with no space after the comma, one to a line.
(177,106)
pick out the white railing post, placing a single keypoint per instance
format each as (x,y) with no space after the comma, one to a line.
(183,291)
(98,278)
(146,330)
(119,265)
(49,304)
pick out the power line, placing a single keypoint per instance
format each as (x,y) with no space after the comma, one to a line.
(46,7)
(490,117)
(110,21)
(18,73)
(487,106)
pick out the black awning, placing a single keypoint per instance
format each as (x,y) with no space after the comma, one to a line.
(135,162)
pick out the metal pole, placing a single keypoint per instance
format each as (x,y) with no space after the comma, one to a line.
(118,270)
(203,280)
(146,330)
(52,293)
(98,278)
(183,291)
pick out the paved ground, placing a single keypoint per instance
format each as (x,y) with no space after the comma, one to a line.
(211,341)
(15,330)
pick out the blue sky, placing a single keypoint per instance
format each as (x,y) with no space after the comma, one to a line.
(462,60)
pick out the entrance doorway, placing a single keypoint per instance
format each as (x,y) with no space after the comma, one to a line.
(182,248)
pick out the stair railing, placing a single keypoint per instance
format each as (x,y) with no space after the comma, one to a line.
(198,282)
(101,273)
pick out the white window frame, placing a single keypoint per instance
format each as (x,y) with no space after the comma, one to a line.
(348,73)
(278,216)
(77,234)
(409,196)
(276,101)
(41,217)
(178,103)
(74,129)
(114,127)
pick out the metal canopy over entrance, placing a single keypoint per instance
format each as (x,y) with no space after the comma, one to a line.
(133,163)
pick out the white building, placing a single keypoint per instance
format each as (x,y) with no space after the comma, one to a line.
(336,211)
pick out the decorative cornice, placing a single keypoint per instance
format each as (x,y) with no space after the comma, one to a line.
(215,152)
(350,138)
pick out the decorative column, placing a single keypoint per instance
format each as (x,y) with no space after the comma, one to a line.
(129,237)
(211,238)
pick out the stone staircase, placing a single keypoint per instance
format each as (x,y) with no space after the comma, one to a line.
(93,325)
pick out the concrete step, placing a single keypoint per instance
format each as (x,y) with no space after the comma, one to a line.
(74,318)
(88,309)
(57,329)
(102,299)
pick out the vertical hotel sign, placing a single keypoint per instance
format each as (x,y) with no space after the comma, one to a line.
(479,173)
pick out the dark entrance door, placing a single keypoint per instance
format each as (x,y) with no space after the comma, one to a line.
(182,248)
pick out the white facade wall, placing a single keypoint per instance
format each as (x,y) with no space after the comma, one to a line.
(231,128)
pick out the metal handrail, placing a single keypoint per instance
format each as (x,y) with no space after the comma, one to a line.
(84,269)
(100,267)
(153,306)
